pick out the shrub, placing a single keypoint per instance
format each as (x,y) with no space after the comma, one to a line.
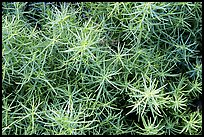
(101,68)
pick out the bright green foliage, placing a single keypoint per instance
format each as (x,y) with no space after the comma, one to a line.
(101,68)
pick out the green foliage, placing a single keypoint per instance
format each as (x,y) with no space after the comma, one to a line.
(101,68)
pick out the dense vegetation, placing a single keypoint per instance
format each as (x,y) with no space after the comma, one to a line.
(102,68)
